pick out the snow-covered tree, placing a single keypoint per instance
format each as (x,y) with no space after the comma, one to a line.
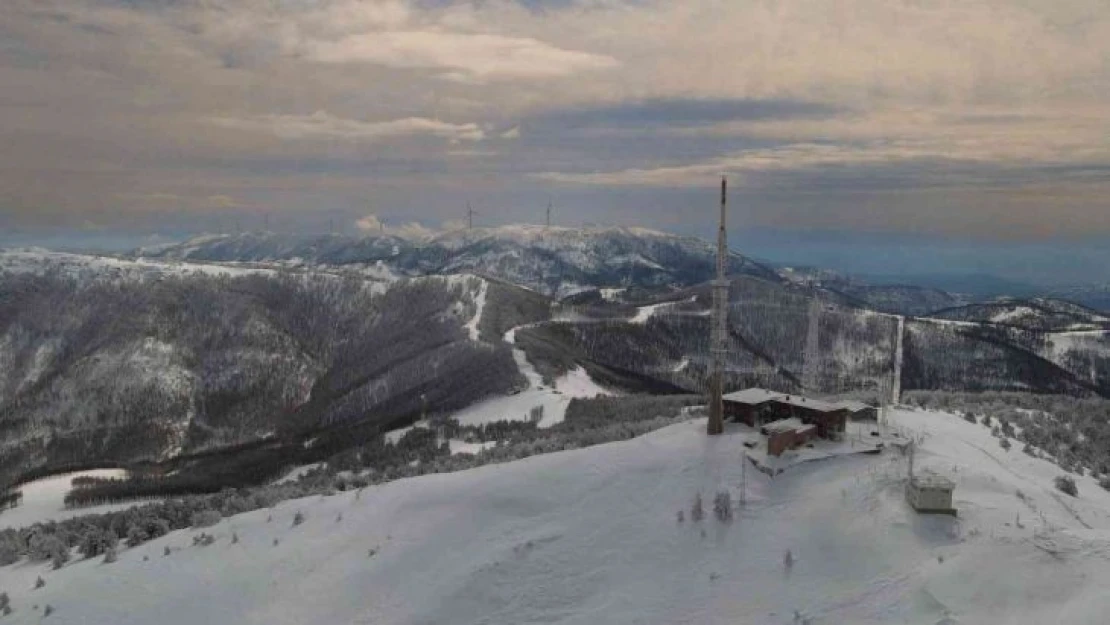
(697,510)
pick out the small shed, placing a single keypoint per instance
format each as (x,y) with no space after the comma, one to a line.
(931,494)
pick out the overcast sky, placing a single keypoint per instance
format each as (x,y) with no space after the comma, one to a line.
(987,120)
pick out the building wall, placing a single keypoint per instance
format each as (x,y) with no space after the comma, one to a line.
(779,442)
(740,412)
(870,414)
(758,414)
(930,498)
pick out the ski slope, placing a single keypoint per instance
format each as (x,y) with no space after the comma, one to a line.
(590,536)
(44,500)
(554,401)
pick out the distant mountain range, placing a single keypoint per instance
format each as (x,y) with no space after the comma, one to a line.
(231,340)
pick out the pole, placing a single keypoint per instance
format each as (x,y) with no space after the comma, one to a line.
(469,217)
(549,214)
(744,478)
(719,324)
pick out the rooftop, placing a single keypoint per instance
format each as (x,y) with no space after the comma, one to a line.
(753,396)
(811,404)
(756,396)
(784,425)
(930,481)
(855,406)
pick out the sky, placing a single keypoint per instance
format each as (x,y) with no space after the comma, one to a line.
(926,122)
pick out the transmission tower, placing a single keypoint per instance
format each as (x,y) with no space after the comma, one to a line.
(811,367)
(718,347)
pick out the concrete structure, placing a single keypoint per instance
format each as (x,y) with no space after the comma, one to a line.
(787,434)
(931,494)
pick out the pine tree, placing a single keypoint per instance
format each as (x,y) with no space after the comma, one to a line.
(697,511)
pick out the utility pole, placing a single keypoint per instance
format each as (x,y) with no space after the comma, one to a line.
(469,217)
(549,214)
(719,326)
(744,478)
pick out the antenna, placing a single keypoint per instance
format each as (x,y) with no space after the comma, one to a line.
(549,214)
(811,367)
(719,325)
(469,217)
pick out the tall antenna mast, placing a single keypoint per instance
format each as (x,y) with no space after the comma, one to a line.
(469,217)
(549,214)
(719,325)
(811,367)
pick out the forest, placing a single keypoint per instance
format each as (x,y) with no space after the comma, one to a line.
(111,371)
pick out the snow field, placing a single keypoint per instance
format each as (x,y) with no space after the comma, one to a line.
(44,500)
(590,536)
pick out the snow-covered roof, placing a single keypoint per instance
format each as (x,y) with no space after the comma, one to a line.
(852,405)
(931,481)
(753,396)
(809,403)
(756,396)
(792,424)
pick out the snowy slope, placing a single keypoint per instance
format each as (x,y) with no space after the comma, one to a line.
(44,500)
(37,260)
(590,536)
(554,401)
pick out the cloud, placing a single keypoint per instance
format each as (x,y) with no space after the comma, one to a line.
(413,231)
(823,98)
(321,125)
(460,56)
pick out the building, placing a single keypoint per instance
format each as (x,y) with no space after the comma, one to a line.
(931,494)
(753,406)
(756,406)
(787,434)
(859,411)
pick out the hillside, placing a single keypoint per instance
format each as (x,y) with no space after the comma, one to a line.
(898,299)
(102,368)
(280,349)
(553,260)
(591,536)
(1047,315)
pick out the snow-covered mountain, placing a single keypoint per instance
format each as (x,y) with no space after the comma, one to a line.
(102,365)
(553,260)
(161,357)
(1033,314)
(901,299)
(591,536)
